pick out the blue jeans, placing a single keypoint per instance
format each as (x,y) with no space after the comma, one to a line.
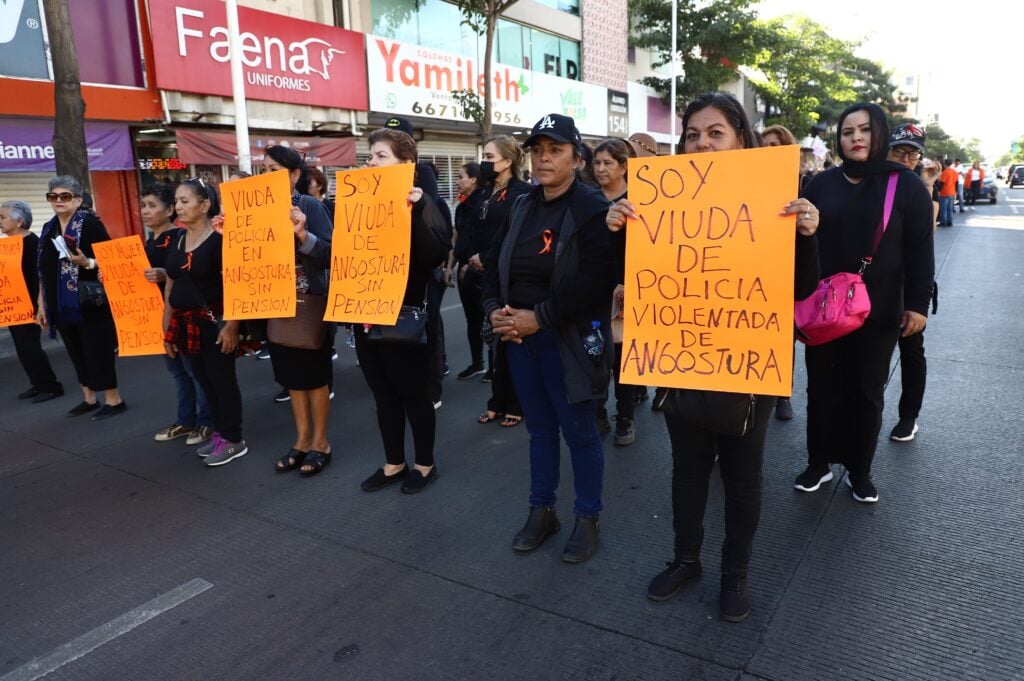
(190,393)
(536,369)
(946,209)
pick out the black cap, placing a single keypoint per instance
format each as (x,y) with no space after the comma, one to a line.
(907,134)
(396,123)
(558,127)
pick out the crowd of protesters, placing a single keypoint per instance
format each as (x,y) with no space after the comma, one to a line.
(539,268)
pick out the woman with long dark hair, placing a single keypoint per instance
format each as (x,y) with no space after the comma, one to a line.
(846,377)
(86,328)
(400,375)
(195,416)
(471,194)
(194,317)
(716,122)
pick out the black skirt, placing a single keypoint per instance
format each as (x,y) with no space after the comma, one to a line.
(297,369)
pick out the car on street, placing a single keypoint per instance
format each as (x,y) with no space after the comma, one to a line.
(1010,171)
(989,190)
(1016,176)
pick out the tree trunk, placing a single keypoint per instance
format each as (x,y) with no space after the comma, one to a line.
(69,122)
(492,20)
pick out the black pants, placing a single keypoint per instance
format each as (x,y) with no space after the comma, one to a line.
(215,372)
(739,462)
(913,373)
(845,396)
(625,395)
(400,378)
(472,307)
(504,399)
(972,196)
(435,328)
(33,358)
(91,345)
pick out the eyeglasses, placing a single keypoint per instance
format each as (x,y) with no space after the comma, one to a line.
(202,185)
(912,154)
(63,197)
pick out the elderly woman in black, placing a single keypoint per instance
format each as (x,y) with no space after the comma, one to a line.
(711,123)
(547,288)
(86,328)
(846,377)
(306,374)
(15,220)
(400,375)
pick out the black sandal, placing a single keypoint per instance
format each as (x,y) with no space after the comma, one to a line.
(316,461)
(290,461)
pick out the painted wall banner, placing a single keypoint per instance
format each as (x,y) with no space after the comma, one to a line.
(26,145)
(206,147)
(15,304)
(283,59)
(259,247)
(410,80)
(136,304)
(371,244)
(709,272)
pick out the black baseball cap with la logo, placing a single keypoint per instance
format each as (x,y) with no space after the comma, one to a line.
(557,127)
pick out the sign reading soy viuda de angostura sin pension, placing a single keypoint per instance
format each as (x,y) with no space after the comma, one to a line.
(709,272)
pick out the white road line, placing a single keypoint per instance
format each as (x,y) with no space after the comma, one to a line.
(90,641)
(1014,209)
(443,309)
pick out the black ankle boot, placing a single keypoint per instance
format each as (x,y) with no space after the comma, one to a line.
(583,541)
(541,524)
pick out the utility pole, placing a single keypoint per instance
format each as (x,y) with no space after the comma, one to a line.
(238,89)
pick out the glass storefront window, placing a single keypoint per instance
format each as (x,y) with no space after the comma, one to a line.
(510,44)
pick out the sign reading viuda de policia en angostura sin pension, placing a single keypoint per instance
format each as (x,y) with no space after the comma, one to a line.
(412,80)
(283,59)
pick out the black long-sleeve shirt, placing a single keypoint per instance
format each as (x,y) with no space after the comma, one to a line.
(902,270)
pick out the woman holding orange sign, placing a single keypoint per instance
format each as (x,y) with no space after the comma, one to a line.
(716,122)
(400,374)
(302,360)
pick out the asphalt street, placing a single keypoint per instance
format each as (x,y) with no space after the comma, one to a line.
(124,558)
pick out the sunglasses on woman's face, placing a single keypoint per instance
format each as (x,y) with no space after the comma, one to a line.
(63,197)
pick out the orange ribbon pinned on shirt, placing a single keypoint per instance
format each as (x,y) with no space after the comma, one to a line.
(548,236)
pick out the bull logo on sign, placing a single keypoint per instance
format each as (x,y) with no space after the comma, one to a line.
(327,54)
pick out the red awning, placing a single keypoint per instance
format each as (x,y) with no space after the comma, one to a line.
(208,147)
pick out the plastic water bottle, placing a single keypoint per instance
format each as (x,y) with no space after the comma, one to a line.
(593,342)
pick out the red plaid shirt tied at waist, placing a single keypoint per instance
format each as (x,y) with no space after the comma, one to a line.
(184,325)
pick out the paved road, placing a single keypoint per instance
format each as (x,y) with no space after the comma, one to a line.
(125,558)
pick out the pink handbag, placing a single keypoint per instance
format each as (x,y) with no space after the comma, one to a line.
(840,304)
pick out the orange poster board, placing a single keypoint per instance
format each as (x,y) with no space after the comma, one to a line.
(259,247)
(371,244)
(15,304)
(137,305)
(709,272)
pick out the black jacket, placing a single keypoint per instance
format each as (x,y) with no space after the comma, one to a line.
(581,284)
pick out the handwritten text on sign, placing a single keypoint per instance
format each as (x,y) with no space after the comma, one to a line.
(709,272)
(15,304)
(136,304)
(259,247)
(372,239)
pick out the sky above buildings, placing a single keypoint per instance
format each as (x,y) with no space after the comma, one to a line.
(964,54)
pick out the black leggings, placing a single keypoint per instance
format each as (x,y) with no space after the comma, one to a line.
(739,461)
(400,378)
(504,399)
(33,358)
(913,374)
(469,293)
(845,396)
(215,372)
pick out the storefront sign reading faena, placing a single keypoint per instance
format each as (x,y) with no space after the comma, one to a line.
(283,59)
(411,80)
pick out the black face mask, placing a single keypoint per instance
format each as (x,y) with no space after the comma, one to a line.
(487,172)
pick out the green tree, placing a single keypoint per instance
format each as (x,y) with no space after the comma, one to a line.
(482,16)
(713,38)
(802,74)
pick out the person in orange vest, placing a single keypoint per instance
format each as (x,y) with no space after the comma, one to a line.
(947,193)
(972,180)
